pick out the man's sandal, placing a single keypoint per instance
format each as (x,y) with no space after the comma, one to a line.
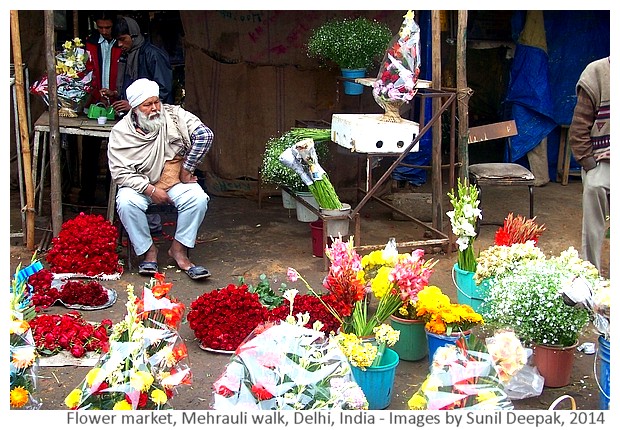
(148,268)
(197,272)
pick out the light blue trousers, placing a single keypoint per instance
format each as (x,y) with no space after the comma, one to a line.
(190,200)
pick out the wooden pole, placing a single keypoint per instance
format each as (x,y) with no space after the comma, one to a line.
(463,93)
(54,141)
(23,130)
(436,179)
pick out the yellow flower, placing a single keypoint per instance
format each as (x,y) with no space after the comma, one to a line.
(73,398)
(23,357)
(141,380)
(159,396)
(19,397)
(19,326)
(417,402)
(93,376)
(380,284)
(67,45)
(487,396)
(123,405)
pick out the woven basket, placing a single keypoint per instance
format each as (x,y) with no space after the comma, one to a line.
(391,108)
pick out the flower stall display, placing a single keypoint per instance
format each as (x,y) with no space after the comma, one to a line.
(462,376)
(398,75)
(443,317)
(464,218)
(73,80)
(500,259)
(221,319)
(364,353)
(71,293)
(274,172)
(23,356)
(283,365)
(85,247)
(69,332)
(372,363)
(302,158)
(387,276)
(147,360)
(518,230)
(529,300)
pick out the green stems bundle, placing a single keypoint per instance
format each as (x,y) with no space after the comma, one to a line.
(325,194)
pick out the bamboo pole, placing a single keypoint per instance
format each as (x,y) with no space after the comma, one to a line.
(54,141)
(436,179)
(23,130)
(463,93)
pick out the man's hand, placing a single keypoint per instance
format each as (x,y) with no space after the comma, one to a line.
(121,106)
(160,197)
(186,177)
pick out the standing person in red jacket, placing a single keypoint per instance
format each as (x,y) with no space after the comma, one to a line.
(103,55)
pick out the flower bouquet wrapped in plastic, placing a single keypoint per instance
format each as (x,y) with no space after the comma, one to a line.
(24,360)
(286,366)
(72,79)
(302,158)
(462,376)
(146,362)
(398,75)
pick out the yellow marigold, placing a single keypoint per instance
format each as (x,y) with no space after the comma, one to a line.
(93,376)
(141,380)
(417,402)
(380,285)
(73,398)
(123,405)
(19,397)
(159,396)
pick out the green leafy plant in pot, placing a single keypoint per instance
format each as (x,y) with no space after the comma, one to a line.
(352,44)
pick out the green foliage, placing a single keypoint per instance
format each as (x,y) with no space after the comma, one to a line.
(350,43)
(267,296)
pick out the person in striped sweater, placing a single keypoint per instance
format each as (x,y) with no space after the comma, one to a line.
(588,137)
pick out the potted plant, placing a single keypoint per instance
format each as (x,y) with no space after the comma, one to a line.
(353,44)
(528,299)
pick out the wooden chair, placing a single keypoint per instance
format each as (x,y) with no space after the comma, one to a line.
(499,174)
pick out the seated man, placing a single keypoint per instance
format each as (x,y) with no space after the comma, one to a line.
(140,145)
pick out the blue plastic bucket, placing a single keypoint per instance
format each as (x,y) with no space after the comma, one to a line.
(467,292)
(435,341)
(604,381)
(351,88)
(377,382)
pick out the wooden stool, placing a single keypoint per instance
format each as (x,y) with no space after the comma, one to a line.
(564,157)
(503,174)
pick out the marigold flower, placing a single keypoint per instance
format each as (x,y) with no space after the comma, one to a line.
(158,396)
(122,405)
(19,397)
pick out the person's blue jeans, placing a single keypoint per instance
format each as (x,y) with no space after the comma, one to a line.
(190,200)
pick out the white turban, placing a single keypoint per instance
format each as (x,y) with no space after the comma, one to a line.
(141,90)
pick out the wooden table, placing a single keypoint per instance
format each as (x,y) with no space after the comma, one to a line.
(80,126)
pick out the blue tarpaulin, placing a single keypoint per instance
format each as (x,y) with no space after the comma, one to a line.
(541,92)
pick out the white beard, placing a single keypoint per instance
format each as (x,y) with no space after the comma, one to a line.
(149,123)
